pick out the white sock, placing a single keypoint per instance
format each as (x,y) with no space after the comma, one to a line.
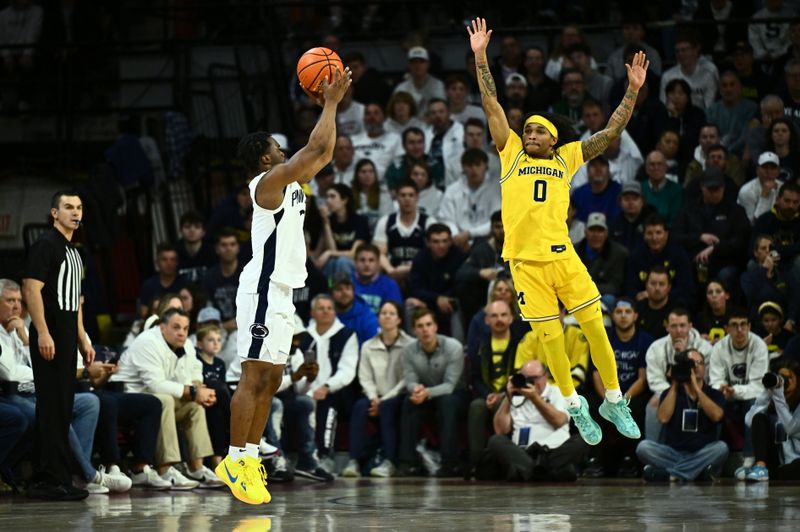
(251,450)
(573,400)
(614,396)
(749,461)
(236,452)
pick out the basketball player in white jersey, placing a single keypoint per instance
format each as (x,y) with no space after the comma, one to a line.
(264,308)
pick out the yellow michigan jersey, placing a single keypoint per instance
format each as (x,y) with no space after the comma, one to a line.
(575,344)
(536,200)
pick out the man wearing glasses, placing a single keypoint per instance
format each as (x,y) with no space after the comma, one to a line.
(532,439)
(738,362)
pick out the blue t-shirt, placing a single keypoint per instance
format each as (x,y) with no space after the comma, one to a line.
(681,440)
(152,288)
(606,202)
(630,356)
(374,294)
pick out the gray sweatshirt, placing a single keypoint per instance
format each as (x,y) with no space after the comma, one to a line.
(441,372)
(740,369)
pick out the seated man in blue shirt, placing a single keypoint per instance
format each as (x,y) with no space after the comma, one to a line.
(374,287)
(690,411)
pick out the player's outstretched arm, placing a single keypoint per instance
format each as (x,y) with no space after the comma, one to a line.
(597,143)
(496,117)
(310,159)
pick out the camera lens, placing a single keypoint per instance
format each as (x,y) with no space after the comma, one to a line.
(772,380)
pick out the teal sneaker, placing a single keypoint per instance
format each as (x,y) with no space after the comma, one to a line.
(620,415)
(758,474)
(589,429)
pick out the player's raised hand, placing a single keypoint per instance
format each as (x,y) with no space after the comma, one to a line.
(478,35)
(637,70)
(334,91)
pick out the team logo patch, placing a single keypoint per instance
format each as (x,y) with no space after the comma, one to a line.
(739,371)
(258,330)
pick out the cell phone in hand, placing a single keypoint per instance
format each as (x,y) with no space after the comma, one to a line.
(309,356)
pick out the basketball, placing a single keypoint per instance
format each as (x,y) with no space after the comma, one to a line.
(315,65)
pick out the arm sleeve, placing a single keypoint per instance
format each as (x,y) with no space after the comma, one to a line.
(380,231)
(761,404)
(346,369)
(40,260)
(148,362)
(420,288)
(453,371)
(572,154)
(790,423)
(657,368)
(448,211)
(7,358)
(716,371)
(476,378)
(409,371)
(366,376)
(509,154)
(754,37)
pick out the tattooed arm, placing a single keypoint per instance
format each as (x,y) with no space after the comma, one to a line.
(496,117)
(597,143)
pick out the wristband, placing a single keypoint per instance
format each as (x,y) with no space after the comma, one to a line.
(192,391)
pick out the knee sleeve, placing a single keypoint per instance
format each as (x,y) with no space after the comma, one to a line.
(547,331)
(589,313)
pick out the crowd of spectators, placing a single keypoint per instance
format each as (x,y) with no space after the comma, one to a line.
(410,351)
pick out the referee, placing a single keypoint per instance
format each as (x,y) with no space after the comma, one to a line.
(52,289)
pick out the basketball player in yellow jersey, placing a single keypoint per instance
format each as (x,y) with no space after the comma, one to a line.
(535,183)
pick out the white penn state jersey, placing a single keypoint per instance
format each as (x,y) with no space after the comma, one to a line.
(279,249)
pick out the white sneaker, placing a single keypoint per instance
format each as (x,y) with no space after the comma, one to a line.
(351,470)
(177,481)
(93,487)
(384,470)
(206,478)
(266,450)
(114,479)
(148,478)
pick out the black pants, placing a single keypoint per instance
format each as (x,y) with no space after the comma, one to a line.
(218,418)
(329,411)
(138,411)
(766,450)
(55,394)
(449,410)
(503,460)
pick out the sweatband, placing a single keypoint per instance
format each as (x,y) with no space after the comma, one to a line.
(548,125)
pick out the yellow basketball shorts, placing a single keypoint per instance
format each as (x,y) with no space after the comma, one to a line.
(540,285)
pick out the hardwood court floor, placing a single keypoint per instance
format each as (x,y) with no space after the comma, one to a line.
(411,504)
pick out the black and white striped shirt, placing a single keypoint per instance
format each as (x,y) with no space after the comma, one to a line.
(54,261)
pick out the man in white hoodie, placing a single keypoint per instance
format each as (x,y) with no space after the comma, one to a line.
(660,357)
(738,362)
(161,362)
(468,203)
(334,348)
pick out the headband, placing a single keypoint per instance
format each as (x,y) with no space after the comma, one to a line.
(548,125)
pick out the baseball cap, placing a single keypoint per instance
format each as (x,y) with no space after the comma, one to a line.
(417,52)
(599,159)
(596,219)
(298,325)
(769,157)
(208,314)
(341,278)
(713,178)
(515,76)
(631,187)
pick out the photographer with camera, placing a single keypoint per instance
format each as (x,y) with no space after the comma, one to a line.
(533,413)
(774,421)
(689,410)
(681,335)
(738,362)
(767,280)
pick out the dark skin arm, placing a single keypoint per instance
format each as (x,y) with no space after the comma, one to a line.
(597,143)
(304,164)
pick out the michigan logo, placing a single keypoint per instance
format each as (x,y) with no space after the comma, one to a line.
(521,298)
(258,330)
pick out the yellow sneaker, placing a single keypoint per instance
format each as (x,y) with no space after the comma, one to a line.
(244,479)
(256,524)
(262,474)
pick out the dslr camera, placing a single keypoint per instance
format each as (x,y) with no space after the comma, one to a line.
(772,380)
(518,380)
(682,367)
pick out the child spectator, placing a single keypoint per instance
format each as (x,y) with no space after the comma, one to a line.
(218,417)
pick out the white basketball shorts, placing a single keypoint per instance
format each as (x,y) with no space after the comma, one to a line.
(266,324)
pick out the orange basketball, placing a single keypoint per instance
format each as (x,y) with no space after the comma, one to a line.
(315,65)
